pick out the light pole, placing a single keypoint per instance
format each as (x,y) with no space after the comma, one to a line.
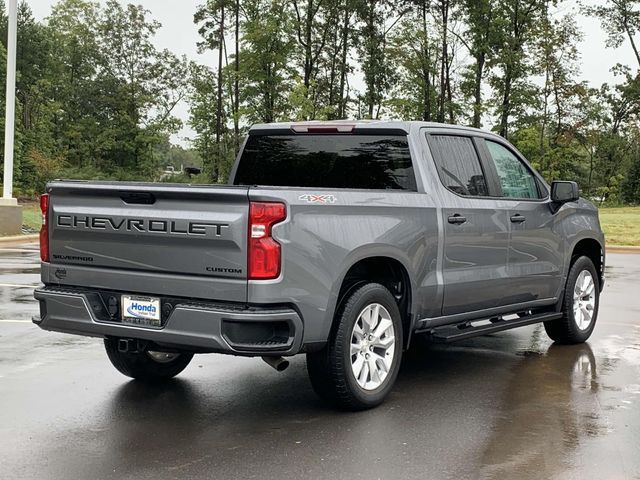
(10,212)
(10,104)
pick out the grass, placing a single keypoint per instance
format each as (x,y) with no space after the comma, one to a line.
(621,225)
(31,216)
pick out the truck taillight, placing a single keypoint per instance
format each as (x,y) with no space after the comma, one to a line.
(44,229)
(264,251)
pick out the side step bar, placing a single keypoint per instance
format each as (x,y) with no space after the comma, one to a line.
(453,333)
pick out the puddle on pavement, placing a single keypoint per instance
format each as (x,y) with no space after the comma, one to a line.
(559,400)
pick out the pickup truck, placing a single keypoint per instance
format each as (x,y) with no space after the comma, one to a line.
(339,240)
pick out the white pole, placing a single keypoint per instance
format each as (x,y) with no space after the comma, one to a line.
(10,104)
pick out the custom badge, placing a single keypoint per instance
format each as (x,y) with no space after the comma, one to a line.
(313,198)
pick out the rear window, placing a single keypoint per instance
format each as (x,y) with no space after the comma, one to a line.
(327,161)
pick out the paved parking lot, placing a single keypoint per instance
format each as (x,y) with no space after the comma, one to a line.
(510,405)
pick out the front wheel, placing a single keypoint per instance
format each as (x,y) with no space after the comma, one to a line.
(359,365)
(580,305)
(150,366)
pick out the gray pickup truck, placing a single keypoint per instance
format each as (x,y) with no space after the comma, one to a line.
(339,240)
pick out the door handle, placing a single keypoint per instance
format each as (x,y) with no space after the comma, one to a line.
(518,218)
(457,219)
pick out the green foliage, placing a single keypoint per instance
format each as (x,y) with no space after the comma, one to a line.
(414,53)
(265,72)
(621,21)
(96,97)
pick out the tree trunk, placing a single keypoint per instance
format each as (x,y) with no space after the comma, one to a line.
(332,73)
(343,62)
(506,105)
(449,94)
(590,171)
(426,71)
(219,99)
(633,42)
(444,61)
(236,82)
(444,6)
(308,54)
(477,103)
(370,78)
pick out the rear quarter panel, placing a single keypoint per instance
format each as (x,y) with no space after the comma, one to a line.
(321,240)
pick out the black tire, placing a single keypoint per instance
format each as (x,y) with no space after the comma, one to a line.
(330,369)
(142,366)
(565,330)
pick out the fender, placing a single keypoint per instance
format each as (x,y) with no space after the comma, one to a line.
(368,251)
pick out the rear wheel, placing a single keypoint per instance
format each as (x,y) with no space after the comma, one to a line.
(147,365)
(357,368)
(580,305)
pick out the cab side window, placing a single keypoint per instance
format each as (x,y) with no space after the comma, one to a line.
(459,165)
(515,178)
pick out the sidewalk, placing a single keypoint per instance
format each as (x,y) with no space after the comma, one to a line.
(19,240)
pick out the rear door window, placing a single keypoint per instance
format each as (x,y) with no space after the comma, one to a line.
(327,161)
(459,165)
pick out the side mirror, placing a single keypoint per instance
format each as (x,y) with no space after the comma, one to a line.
(563,192)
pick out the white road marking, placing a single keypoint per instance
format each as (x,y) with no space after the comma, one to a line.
(16,285)
(15,321)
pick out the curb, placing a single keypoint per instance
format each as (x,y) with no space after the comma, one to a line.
(19,239)
(621,249)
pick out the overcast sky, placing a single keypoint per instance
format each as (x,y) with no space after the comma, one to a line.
(178,34)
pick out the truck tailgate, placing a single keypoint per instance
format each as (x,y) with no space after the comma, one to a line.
(152,230)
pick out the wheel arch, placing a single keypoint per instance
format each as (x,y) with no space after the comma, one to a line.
(387,270)
(594,250)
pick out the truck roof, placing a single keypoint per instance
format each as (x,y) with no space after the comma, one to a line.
(406,126)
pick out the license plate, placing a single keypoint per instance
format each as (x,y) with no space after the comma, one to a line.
(141,310)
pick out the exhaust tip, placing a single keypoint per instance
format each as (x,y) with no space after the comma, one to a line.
(277,363)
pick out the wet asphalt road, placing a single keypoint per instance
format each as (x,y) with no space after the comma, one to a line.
(511,405)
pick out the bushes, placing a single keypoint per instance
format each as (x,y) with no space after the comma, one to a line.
(36,169)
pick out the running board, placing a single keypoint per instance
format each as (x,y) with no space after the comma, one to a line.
(453,333)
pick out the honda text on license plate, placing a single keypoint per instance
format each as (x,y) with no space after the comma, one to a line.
(141,310)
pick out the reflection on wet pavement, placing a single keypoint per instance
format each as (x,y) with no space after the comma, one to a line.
(509,405)
(19,274)
(547,408)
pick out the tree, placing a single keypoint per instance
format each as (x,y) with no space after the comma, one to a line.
(204,119)
(614,152)
(265,71)
(631,185)
(414,54)
(515,20)
(620,19)
(140,85)
(378,18)
(72,26)
(211,18)
(443,11)
(556,49)
(480,39)
(97,99)
(313,22)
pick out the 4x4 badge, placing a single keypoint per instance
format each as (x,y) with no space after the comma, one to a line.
(313,198)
